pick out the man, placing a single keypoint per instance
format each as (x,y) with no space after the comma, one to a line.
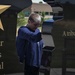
(29,45)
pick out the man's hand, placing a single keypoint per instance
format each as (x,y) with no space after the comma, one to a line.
(38,37)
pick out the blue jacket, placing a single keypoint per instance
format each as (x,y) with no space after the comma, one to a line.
(29,46)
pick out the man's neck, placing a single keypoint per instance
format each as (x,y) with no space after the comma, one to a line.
(30,28)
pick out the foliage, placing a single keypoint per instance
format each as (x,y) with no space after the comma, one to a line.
(21,19)
(42,17)
(40,2)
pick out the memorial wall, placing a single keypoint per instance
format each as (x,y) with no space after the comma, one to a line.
(8,22)
(63,30)
(63,33)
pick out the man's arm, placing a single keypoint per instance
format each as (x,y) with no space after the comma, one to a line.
(24,33)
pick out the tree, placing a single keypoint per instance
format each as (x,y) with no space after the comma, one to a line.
(21,19)
(41,2)
(43,16)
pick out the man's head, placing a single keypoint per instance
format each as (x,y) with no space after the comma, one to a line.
(34,21)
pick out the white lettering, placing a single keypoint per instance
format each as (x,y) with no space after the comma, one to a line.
(68,33)
(1,43)
(1,65)
(64,33)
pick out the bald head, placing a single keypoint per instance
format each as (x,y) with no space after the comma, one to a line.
(34,21)
(35,18)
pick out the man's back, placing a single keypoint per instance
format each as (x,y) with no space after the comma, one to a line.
(30,49)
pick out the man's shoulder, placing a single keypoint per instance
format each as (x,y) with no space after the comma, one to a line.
(37,30)
(23,28)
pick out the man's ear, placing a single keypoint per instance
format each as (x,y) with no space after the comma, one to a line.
(28,21)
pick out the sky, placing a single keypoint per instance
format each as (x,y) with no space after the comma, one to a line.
(37,1)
